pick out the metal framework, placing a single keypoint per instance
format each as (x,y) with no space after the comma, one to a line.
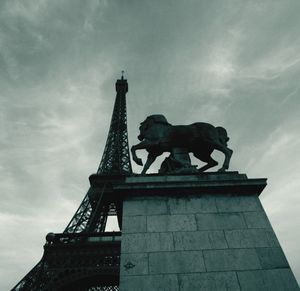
(76,262)
(116,159)
(92,213)
(85,257)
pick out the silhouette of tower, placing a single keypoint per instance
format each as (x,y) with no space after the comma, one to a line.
(85,256)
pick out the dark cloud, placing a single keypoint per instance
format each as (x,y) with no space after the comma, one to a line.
(231,63)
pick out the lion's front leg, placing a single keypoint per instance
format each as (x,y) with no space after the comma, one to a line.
(150,159)
(135,157)
(142,145)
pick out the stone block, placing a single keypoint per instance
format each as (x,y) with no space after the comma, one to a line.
(257,219)
(199,240)
(132,207)
(176,262)
(145,206)
(147,242)
(192,204)
(216,281)
(247,238)
(231,260)
(272,258)
(165,223)
(133,224)
(238,203)
(214,221)
(149,283)
(134,264)
(158,205)
(268,280)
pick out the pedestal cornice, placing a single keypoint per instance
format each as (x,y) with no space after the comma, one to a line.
(205,183)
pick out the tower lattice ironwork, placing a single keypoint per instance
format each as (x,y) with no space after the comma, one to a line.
(85,256)
(115,159)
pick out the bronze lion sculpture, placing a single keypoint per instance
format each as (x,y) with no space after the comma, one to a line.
(158,136)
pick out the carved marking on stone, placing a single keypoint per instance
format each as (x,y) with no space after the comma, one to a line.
(129,265)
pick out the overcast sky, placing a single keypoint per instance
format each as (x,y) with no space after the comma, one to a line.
(231,63)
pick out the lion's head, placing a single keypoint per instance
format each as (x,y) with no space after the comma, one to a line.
(149,122)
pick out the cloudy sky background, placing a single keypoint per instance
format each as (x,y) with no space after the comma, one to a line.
(231,63)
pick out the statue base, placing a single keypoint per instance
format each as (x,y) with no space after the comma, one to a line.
(199,232)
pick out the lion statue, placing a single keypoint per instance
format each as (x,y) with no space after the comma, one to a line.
(157,136)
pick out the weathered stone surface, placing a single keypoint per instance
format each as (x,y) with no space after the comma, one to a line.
(137,206)
(165,223)
(272,258)
(176,262)
(192,204)
(220,183)
(214,221)
(157,206)
(134,224)
(238,203)
(230,260)
(147,242)
(216,281)
(257,219)
(184,241)
(200,177)
(247,238)
(268,280)
(149,283)
(134,264)
(132,207)
(199,240)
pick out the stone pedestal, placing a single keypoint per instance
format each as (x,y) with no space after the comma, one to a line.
(199,232)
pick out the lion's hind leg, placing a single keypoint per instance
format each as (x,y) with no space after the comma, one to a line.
(208,159)
(227,152)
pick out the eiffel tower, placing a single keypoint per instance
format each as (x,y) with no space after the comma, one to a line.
(85,256)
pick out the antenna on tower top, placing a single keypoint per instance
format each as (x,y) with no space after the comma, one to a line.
(122,72)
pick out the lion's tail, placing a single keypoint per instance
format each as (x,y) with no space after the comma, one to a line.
(223,137)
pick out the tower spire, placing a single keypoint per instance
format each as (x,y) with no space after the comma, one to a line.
(116,159)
